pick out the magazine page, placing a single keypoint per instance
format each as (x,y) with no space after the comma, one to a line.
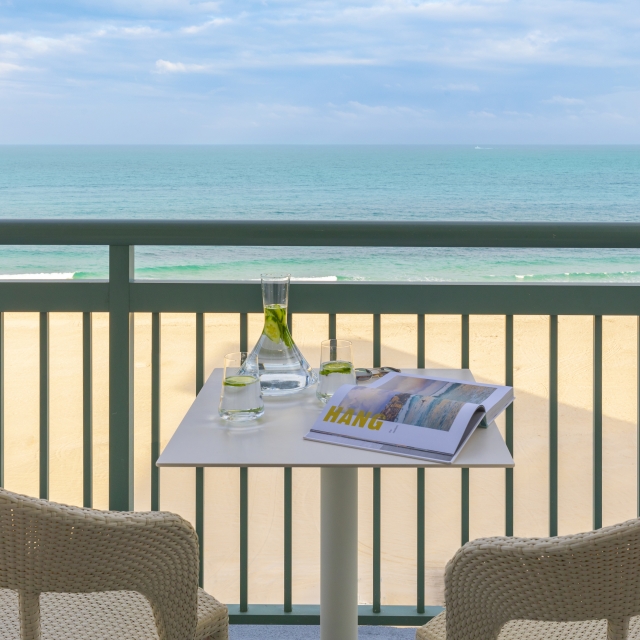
(494,398)
(400,418)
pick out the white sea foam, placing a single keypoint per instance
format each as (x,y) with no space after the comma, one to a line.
(37,276)
(318,279)
(305,279)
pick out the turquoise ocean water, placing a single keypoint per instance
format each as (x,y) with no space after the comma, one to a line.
(322,183)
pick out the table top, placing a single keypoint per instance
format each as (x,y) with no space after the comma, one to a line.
(203,439)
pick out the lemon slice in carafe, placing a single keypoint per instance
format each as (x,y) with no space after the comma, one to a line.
(272,329)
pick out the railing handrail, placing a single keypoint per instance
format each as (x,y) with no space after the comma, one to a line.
(619,235)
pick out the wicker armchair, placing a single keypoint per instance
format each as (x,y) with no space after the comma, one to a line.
(67,572)
(579,587)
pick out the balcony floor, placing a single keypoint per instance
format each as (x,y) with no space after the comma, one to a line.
(308,632)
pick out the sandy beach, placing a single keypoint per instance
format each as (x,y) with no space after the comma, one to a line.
(398,486)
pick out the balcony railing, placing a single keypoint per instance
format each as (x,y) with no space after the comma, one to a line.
(122,296)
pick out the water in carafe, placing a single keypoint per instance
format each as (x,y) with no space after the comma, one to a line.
(282,368)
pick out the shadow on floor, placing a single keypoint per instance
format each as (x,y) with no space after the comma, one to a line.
(308,632)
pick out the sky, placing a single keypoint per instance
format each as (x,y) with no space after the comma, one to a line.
(319,72)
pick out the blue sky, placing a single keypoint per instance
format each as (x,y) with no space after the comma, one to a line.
(390,71)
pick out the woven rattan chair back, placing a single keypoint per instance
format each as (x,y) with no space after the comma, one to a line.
(47,547)
(588,576)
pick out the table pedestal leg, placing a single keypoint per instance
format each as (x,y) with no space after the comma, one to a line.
(339,554)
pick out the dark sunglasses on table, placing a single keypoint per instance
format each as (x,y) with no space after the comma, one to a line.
(362,375)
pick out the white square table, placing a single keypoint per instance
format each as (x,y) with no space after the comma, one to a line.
(203,439)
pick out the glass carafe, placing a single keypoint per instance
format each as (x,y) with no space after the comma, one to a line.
(282,368)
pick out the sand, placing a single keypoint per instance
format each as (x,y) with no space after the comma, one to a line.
(398,486)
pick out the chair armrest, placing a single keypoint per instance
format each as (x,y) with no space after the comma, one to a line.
(588,576)
(47,547)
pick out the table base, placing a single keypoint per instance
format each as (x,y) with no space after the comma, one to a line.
(339,554)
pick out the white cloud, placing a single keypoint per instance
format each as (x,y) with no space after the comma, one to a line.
(215,22)
(354,108)
(329,60)
(463,86)
(482,114)
(567,102)
(139,31)
(8,67)
(38,45)
(164,66)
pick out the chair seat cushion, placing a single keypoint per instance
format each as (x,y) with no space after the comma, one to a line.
(110,615)
(528,630)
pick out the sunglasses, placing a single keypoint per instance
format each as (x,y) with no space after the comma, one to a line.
(362,375)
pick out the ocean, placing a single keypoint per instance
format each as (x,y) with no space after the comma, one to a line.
(448,183)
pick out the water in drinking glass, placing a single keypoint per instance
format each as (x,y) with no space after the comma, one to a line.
(241,396)
(336,367)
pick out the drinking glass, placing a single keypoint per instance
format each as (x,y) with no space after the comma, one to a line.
(241,397)
(336,367)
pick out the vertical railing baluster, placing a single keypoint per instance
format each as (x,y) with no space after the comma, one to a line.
(637,418)
(509,426)
(464,342)
(1,398)
(244,496)
(288,539)
(44,405)
(332,326)
(377,509)
(597,422)
(244,332)
(464,501)
(421,342)
(464,479)
(155,410)
(420,534)
(288,524)
(377,339)
(420,541)
(553,425)
(244,539)
(200,470)
(121,272)
(377,485)
(87,410)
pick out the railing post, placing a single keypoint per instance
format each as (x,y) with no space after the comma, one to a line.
(121,272)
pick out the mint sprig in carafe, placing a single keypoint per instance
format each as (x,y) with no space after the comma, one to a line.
(282,367)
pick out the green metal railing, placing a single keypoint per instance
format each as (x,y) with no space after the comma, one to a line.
(122,296)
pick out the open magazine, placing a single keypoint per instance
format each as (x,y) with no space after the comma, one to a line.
(410,415)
